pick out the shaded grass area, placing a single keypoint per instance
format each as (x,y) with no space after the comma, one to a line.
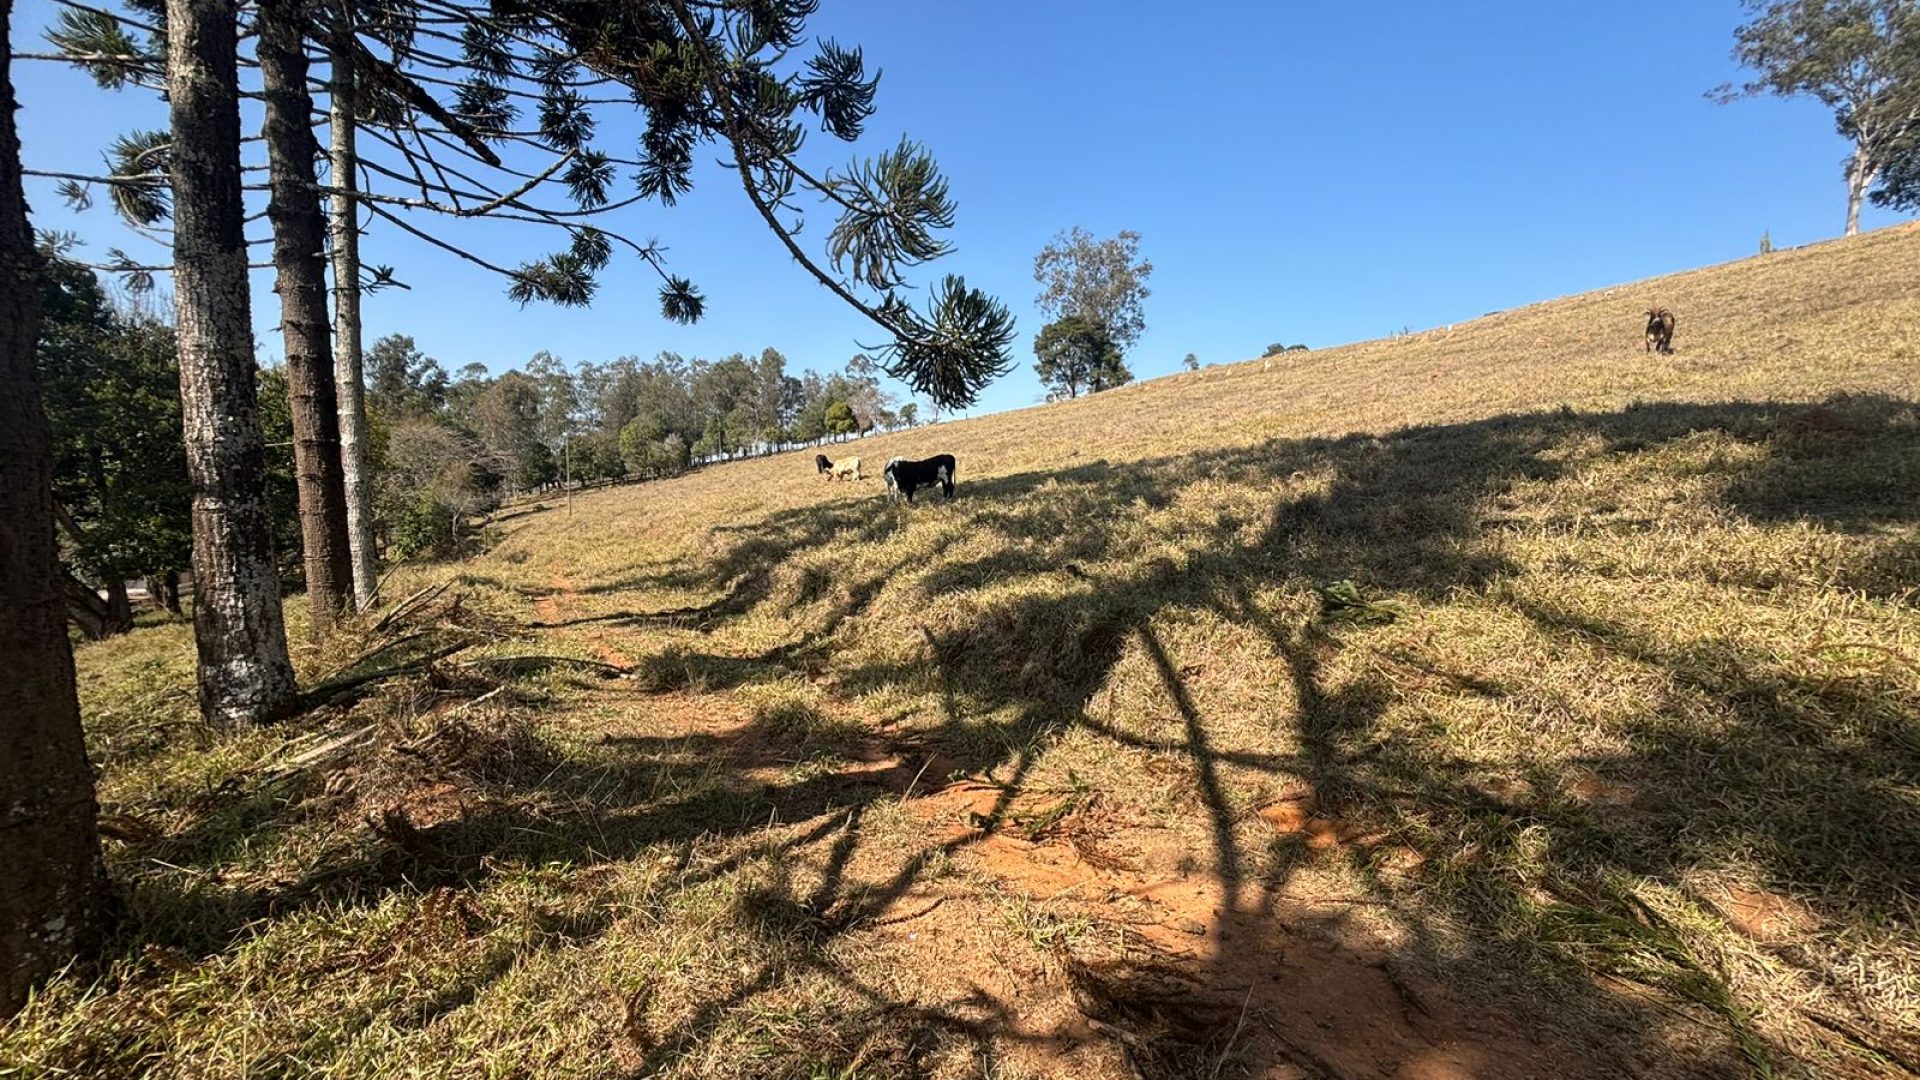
(1624,740)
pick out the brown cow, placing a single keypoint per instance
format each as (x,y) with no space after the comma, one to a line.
(1660,323)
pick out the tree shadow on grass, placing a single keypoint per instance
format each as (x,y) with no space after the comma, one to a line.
(1408,515)
(1802,775)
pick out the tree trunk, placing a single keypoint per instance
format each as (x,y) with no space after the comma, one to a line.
(165,590)
(55,901)
(85,607)
(346,318)
(245,676)
(119,606)
(1860,177)
(300,262)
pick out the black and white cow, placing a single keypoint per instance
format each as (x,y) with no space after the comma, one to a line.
(906,476)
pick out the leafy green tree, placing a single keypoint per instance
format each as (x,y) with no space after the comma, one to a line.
(1859,58)
(1191,362)
(839,419)
(1103,282)
(811,424)
(434,480)
(909,415)
(280,494)
(111,385)
(1275,349)
(596,456)
(1074,355)
(649,448)
(507,420)
(402,380)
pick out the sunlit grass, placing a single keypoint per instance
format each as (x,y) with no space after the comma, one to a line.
(1627,740)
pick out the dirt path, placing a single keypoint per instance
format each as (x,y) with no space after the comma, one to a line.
(1173,970)
(1171,967)
(1260,979)
(561,605)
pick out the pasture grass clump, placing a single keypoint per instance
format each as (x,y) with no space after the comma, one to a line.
(1506,659)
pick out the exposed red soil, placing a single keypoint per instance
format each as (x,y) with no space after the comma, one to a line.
(1269,979)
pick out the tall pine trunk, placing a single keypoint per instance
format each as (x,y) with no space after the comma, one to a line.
(238,627)
(348,373)
(55,899)
(299,258)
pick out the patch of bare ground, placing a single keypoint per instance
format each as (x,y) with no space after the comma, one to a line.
(1185,968)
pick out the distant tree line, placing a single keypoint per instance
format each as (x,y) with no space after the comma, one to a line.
(448,447)
(444,448)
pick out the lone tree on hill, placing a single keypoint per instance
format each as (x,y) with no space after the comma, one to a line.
(1191,362)
(1860,58)
(1075,354)
(1101,281)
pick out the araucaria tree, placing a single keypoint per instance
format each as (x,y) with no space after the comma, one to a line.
(54,902)
(1860,58)
(1101,281)
(708,72)
(1074,354)
(300,262)
(245,675)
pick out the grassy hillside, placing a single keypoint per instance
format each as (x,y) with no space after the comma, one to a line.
(1495,701)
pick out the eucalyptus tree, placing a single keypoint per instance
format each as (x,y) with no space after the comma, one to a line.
(1859,58)
(1101,281)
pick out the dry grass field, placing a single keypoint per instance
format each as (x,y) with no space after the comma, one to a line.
(1496,701)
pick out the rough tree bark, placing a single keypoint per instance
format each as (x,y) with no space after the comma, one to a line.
(245,676)
(300,262)
(55,900)
(348,373)
(1860,177)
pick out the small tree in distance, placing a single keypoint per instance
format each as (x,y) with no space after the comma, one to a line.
(1191,362)
(840,419)
(1075,354)
(1275,349)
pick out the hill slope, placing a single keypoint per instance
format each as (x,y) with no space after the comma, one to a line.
(1494,701)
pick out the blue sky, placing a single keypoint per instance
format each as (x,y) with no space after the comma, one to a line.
(1299,172)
